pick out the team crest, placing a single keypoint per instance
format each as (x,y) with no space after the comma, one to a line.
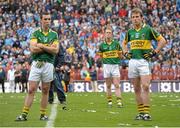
(143,36)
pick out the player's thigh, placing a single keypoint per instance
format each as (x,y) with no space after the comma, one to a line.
(145,80)
(45,87)
(108,82)
(144,67)
(136,82)
(48,73)
(33,85)
(116,81)
(115,70)
(35,73)
(132,71)
(106,70)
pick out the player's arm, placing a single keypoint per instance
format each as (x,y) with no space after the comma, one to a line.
(124,46)
(125,49)
(52,48)
(120,54)
(99,52)
(126,54)
(161,43)
(120,51)
(159,38)
(34,48)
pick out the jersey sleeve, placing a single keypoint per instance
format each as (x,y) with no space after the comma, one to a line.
(33,37)
(55,41)
(119,48)
(155,35)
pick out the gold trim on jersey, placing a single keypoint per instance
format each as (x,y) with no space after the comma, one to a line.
(33,40)
(45,33)
(159,38)
(140,44)
(111,54)
(56,42)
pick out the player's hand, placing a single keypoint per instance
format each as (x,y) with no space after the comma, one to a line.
(128,55)
(149,55)
(40,45)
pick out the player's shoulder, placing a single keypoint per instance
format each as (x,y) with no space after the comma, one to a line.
(38,29)
(130,30)
(146,26)
(102,44)
(115,41)
(54,32)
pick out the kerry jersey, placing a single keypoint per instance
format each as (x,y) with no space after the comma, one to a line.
(110,52)
(140,40)
(47,39)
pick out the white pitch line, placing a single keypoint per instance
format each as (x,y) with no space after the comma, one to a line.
(52,117)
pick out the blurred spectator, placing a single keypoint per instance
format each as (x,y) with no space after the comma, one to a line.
(24,78)
(2,78)
(17,79)
(156,72)
(93,75)
(10,78)
(65,69)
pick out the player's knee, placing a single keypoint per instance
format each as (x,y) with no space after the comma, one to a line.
(137,90)
(117,86)
(146,88)
(45,91)
(108,86)
(31,91)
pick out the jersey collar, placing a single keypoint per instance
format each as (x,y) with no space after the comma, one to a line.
(140,27)
(109,43)
(45,33)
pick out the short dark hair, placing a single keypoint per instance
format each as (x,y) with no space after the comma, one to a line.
(137,10)
(44,13)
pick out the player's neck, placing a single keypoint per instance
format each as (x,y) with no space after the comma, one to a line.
(45,29)
(108,41)
(138,26)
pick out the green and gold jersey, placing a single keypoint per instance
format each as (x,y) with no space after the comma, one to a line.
(140,40)
(110,52)
(48,38)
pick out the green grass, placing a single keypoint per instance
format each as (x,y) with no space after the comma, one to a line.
(90,110)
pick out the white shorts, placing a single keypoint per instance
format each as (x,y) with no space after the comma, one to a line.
(138,67)
(111,70)
(44,74)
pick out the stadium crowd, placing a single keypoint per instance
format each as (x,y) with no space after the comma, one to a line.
(80,25)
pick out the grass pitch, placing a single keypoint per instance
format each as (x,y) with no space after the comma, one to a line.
(90,110)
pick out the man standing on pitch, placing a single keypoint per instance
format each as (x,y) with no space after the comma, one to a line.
(44,46)
(57,82)
(110,52)
(141,52)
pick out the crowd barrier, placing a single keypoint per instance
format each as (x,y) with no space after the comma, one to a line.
(126,86)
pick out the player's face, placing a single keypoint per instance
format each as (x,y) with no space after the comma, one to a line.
(108,34)
(46,21)
(136,19)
